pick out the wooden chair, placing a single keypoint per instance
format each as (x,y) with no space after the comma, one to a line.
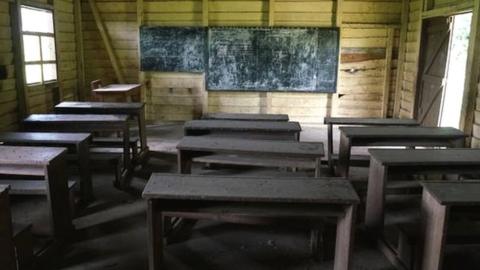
(95,85)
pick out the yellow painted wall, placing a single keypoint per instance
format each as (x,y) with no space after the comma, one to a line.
(8,95)
(39,98)
(177,96)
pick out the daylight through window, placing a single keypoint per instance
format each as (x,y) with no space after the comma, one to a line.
(38,45)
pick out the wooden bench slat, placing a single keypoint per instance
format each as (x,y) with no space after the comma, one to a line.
(22,155)
(43,137)
(29,187)
(370,121)
(265,161)
(246,117)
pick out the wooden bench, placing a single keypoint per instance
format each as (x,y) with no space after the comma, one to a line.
(86,123)
(295,154)
(50,163)
(123,92)
(244,129)
(352,121)
(8,259)
(439,201)
(389,164)
(245,200)
(78,143)
(132,109)
(394,136)
(246,117)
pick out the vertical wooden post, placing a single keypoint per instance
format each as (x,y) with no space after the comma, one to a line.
(337,21)
(141,75)
(388,70)
(81,91)
(271,12)
(401,57)
(17,45)
(205,13)
(472,73)
(106,41)
(417,56)
(205,22)
(339,13)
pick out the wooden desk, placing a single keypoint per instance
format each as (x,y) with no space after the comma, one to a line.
(349,121)
(78,142)
(225,198)
(394,136)
(50,163)
(85,123)
(194,146)
(133,109)
(387,163)
(247,117)
(437,202)
(126,92)
(244,129)
(7,246)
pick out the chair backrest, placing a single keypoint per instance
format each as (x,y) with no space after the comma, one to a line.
(96,84)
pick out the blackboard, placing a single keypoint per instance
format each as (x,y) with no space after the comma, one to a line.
(272,59)
(178,49)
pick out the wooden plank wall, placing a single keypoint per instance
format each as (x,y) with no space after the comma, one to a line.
(412,50)
(119,18)
(181,96)
(66,49)
(8,95)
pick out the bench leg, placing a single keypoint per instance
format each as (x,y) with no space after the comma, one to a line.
(317,247)
(434,223)
(344,241)
(374,209)
(330,149)
(344,156)
(86,187)
(318,166)
(155,236)
(58,199)
(184,162)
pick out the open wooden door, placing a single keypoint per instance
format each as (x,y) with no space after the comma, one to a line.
(433,61)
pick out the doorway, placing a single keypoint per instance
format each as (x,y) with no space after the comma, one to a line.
(443,57)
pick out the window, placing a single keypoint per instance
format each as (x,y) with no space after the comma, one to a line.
(38,45)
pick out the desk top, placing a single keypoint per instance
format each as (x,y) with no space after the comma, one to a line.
(248,189)
(402,132)
(209,144)
(247,117)
(99,105)
(43,137)
(232,125)
(118,88)
(23,155)
(425,157)
(77,118)
(370,121)
(454,192)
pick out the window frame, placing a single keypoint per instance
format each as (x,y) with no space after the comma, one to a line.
(41,62)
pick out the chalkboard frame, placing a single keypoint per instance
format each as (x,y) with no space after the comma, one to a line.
(319,91)
(206,57)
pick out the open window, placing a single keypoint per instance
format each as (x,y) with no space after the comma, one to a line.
(38,38)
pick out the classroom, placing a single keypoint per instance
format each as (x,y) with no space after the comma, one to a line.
(239,134)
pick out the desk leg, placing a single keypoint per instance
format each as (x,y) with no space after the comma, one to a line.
(86,187)
(7,245)
(434,222)
(344,156)
(318,166)
(374,209)
(58,198)
(142,132)
(458,143)
(184,162)
(344,241)
(127,165)
(155,235)
(330,148)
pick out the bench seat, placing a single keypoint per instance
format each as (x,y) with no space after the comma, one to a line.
(30,187)
(256,161)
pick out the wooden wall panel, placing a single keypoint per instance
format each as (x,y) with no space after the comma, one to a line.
(66,49)
(168,97)
(8,94)
(412,52)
